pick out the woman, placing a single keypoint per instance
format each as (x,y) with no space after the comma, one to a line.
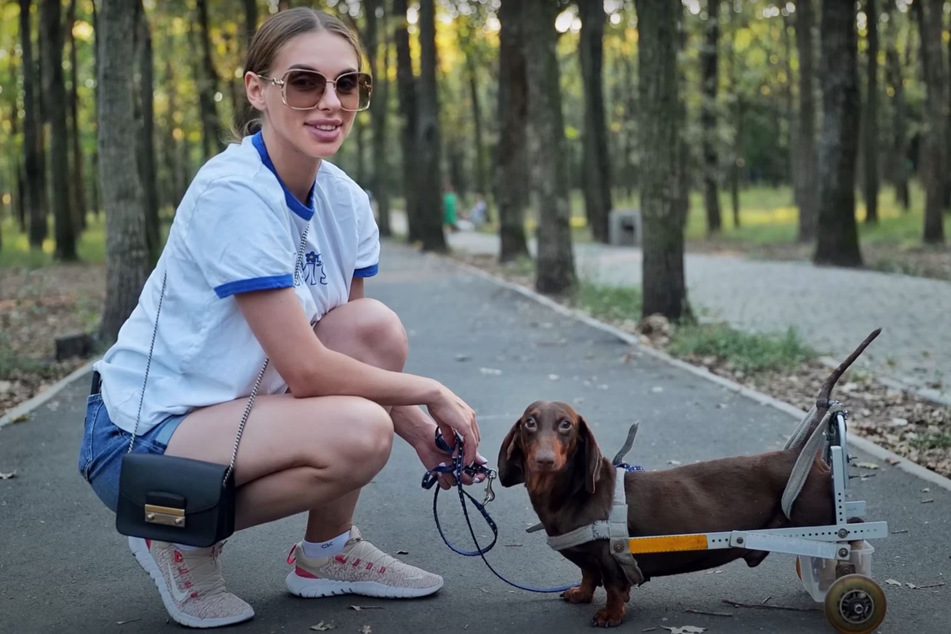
(323,424)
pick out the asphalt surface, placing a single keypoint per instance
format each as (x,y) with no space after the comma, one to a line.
(63,567)
(831,308)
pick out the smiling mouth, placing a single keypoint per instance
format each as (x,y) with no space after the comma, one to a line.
(324,127)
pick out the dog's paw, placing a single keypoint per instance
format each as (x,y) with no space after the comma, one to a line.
(577,595)
(608,618)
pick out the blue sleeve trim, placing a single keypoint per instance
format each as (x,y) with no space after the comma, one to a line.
(367,271)
(256,284)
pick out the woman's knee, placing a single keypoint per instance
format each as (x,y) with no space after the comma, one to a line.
(369,437)
(368,330)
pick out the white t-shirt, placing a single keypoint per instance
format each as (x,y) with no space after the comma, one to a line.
(237,229)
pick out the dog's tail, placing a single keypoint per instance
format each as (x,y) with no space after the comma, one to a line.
(823,400)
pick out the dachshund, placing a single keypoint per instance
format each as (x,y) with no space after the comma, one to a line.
(571,485)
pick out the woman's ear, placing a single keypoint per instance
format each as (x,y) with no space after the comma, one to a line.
(593,460)
(254,89)
(511,458)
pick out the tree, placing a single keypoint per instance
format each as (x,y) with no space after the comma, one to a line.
(511,156)
(379,107)
(429,172)
(807,158)
(406,91)
(663,178)
(54,95)
(838,240)
(77,185)
(897,157)
(33,167)
(934,157)
(597,165)
(708,115)
(146,143)
(555,270)
(126,251)
(871,115)
(207,88)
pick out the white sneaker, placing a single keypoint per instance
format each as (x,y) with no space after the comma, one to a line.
(190,583)
(361,568)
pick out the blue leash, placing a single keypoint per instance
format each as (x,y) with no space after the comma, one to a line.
(457,470)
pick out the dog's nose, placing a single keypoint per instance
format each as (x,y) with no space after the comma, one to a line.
(545,459)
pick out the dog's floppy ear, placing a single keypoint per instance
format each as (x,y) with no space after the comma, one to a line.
(511,458)
(593,461)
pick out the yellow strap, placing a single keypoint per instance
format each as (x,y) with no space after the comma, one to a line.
(667,543)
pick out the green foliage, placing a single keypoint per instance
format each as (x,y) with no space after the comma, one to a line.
(744,351)
(11,363)
(932,441)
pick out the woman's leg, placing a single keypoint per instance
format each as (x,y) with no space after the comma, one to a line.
(306,454)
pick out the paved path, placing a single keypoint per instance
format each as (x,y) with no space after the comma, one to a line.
(832,308)
(63,568)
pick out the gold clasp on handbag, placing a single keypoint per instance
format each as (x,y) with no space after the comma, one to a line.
(167,515)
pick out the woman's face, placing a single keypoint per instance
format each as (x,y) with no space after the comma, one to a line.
(316,133)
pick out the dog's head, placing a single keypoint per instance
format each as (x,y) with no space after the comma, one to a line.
(549,438)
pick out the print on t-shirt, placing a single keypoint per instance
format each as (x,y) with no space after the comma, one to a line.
(313,269)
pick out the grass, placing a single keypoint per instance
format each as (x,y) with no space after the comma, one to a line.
(16,251)
(608,302)
(744,351)
(932,441)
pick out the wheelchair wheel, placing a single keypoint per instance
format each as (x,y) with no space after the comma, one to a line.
(855,605)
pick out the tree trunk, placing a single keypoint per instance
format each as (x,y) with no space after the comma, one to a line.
(146,145)
(555,270)
(838,242)
(807,158)
(482,179)
(736,114)
(77,179)
(54,95)
(511,155)
(207,88)
(406,90)
(929,14)
(663,181)
(378,113)
(871,115)
(429,145)
(126,251)
(897,156)
(33,167)
(95,198)
(597,164)
(708,115)
(243,112)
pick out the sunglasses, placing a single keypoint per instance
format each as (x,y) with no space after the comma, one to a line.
(303,89)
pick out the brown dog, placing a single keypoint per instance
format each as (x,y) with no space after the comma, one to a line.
(571,485)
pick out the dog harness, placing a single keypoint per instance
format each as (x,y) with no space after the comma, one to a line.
(614,529)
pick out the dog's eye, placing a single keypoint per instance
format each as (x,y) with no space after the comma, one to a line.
(565,425)
(530,424)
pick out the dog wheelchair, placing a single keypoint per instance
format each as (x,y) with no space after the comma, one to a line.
(833,562)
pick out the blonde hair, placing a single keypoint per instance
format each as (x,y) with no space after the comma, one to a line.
(276,31)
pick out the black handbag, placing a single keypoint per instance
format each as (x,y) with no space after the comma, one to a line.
(181,500)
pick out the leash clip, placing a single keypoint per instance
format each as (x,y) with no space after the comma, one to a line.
(489,493)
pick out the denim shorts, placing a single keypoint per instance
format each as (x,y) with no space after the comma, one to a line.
(100,454)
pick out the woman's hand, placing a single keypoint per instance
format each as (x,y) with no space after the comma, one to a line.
(452,414)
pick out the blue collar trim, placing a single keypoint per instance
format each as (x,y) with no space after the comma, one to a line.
(304,211)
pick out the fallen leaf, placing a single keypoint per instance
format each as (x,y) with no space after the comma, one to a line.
(366,629)
(20,419)
(129,621)
(7,476)
(911,585)
(553,377)
(357,608)
(323,627)
(893,582)
(866,465)
(462,357)
(686,629)
(402,552)
(928,501)
(925,490)
(657,389)
(490,371)
(892,461)
(673,462)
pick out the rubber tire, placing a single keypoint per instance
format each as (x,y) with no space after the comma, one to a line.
(841,588)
